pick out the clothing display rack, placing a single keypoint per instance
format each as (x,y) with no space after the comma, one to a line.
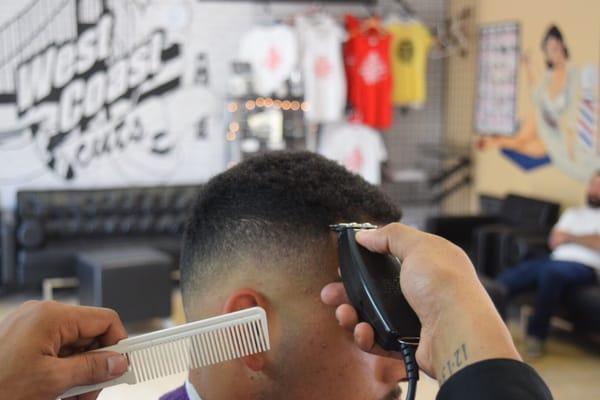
(444,170)
(426,179)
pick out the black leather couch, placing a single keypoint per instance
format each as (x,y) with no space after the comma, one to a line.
(498,240)
(52,226)
(518,232)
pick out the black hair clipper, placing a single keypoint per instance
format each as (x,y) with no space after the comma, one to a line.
(372,282)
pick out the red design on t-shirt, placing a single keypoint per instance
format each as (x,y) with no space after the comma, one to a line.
(273,60)
(355,160)
(367,62)
(322,67)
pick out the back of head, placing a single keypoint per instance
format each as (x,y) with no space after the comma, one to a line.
(259,236)
(271,213)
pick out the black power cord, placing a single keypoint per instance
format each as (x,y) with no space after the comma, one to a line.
(412,369)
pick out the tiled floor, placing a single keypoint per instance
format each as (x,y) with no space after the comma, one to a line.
(571,369)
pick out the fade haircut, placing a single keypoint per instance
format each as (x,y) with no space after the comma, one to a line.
(274,209)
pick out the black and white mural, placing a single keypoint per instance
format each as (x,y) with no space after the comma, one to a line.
(104,93)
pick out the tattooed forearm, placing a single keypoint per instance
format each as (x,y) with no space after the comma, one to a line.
(454,363)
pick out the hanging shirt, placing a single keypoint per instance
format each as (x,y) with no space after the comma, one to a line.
(409,50)
(368,65)
(355,146)
(272,52)
(352,29)
(321,41)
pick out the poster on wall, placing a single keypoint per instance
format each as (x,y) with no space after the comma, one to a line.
(103,93)
(496,100)
(560,126)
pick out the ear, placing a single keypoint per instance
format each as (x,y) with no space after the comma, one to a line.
(242,299)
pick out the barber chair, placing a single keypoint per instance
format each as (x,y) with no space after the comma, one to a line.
(497,240)
(580,306)
(517,229)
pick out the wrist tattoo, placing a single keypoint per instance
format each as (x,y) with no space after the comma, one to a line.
(453,364)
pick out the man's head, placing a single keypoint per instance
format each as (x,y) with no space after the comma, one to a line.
(259,236)
(593,192)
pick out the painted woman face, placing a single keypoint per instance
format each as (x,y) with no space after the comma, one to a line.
(555,51)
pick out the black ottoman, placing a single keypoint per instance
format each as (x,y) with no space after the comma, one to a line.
(134,281)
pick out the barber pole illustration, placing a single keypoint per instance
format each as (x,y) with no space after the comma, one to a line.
(587,115)
(587,122)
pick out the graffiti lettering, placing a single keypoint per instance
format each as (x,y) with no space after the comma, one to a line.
(57,65)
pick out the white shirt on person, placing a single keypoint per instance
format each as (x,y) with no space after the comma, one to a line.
(579,221)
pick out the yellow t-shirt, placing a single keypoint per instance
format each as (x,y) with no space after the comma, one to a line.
(408,51)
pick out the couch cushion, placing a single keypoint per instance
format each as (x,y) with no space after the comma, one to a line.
(583,305)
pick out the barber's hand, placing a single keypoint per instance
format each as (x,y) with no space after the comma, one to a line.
(460,324)
(39,343)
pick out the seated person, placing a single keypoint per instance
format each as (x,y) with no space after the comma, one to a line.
(575,241)
(259,236)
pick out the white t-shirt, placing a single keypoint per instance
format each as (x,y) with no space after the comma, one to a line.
(321,41)
(272,51)
(355,146)
(579,221)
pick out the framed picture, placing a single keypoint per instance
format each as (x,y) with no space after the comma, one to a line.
(496,97)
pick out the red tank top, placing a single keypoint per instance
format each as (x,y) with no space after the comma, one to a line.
(367,61)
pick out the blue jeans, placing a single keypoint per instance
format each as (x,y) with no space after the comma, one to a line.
(550,278)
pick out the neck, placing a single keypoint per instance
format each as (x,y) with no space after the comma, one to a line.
(215,382)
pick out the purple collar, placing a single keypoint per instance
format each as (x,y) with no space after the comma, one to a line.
(178,394)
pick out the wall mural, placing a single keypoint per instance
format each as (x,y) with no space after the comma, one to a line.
(101,92)
(562,127)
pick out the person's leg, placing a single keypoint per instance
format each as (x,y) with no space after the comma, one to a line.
(523,277)
(553,280)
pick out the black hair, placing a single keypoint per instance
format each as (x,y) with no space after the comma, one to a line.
(279,205)
(554,33)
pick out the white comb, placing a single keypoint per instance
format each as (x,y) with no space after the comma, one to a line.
(194,345)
